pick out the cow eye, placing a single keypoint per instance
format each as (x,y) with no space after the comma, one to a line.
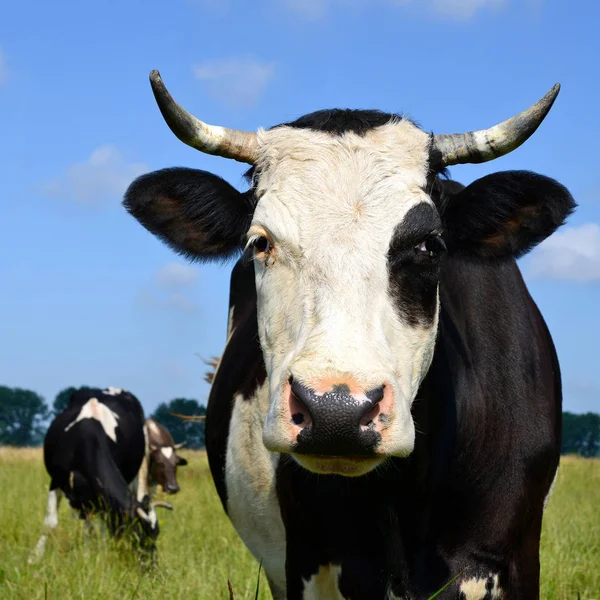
(432,245)
(262,245)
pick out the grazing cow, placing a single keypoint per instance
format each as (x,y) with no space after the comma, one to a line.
(96,454)
(163,457)
(386,415)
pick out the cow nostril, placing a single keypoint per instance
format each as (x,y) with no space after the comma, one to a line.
(376,394)
(301,416)
(367,421)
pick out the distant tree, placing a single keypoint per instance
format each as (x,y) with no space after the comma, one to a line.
(581,434)
(22,417)
(63,397)
(192,432)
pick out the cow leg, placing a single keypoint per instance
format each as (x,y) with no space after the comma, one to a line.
(50,523)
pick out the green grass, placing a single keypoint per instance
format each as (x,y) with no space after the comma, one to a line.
(199,549)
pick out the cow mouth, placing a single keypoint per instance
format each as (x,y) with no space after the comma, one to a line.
(348,466)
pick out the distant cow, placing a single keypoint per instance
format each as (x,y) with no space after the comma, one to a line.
(386,414)
(164,460)
(96,454)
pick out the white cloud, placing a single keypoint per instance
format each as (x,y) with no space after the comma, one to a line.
(176,275)
(235,81)
(181,303)
(175,302)
(105,175)
(456,9)
(572,253)
(170,290)
(3,68)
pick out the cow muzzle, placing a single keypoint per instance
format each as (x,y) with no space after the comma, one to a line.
(336,427)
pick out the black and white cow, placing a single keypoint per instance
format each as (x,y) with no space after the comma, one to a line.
(96,453)
(386,414)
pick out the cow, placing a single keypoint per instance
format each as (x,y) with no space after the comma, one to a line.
(163,458)
(96,453)
(385,418)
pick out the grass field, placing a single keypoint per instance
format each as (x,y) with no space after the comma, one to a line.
(199,550)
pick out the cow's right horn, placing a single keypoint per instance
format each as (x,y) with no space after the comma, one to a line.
(211,139)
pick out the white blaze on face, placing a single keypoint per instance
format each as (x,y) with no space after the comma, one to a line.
(167,451)
(93,409)
(330,205)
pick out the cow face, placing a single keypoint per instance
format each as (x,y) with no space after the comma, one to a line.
(347,246)
(348,230)
(163,467)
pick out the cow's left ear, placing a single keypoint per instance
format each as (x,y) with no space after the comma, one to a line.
(504,214)
(181,462)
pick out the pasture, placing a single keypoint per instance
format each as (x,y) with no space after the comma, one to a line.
(199,550)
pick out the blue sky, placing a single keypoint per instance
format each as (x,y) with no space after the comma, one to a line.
(89,297)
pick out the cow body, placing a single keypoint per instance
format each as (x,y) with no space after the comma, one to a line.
(95,452)
(468,500)
(386,413)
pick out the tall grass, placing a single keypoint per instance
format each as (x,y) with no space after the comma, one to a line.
(199,550)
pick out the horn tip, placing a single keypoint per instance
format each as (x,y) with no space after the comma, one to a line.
(155,78)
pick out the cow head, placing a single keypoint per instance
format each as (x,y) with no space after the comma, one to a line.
(164,461)
(163,458)
(348,223)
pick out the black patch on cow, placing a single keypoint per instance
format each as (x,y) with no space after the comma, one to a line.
(338,121)
(504,215)
(241,370)
(196,213)
(413,275)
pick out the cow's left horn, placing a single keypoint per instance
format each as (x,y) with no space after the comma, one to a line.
(180,445)
(161,504)
(220,141)
(487,144)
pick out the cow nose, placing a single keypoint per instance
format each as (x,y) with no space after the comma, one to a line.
(337,422)
(171,488)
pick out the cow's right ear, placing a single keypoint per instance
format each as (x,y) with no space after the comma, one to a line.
(196,213)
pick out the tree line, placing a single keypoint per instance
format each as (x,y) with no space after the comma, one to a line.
(25,416)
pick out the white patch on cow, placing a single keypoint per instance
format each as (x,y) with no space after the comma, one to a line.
(476,589)
(324,585)
(167,451)
(252,503)
(547,498)
(93,409)
(50,523)
(112,391)
(330,205)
